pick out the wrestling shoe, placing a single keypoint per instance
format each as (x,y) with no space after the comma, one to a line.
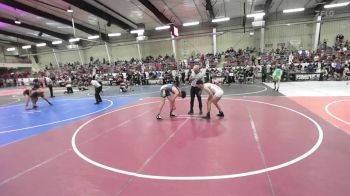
(221,114)
(206,116)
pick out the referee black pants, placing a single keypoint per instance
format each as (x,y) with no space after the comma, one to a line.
(51,90)
(97,94)
(195,91)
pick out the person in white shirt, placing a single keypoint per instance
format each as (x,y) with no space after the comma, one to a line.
(147,78)
(215,93)
(98,88)
(69,87)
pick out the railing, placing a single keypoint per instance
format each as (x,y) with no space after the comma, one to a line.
(25,61)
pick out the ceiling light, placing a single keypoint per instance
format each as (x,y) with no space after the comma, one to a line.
(114,34)
(139,31)
(26,47)
(220,19)
(190,24)
(162,27)
(74,40)
(69,10)
(64,27)
(261,14)
(51,23)
(251,33)
(10,49)
(41,45)
(336,5)
(57,42)
(17,21)
(293,10)
(94,37)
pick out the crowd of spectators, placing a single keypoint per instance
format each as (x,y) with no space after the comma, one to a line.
(12,77)
(208,60)
(239,63)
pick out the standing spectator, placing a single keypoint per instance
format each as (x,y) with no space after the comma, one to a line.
(207,76)
(177,80)
(183,76)
(147,77)
(143,78)
(230,76)
(259,60)
(196,91)
(346,72)
(276,77)
(324,74)
(188,75)
(98,88)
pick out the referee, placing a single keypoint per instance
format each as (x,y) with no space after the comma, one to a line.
(48,83)
(195,91)
(98,89)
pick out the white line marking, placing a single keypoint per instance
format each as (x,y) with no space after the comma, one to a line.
(181,115)
(225,95)
(28,112)
(60,154)
(249,93)
(334,116)
(154,154)
(34,167)
(262,156)
(125,95)
(43,102)
(217,177)
(55,122)
(188,117)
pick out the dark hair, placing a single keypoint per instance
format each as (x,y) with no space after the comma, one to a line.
(93,77)
(199,82)
(183,94)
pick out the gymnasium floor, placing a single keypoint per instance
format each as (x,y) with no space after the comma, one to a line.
(267,144)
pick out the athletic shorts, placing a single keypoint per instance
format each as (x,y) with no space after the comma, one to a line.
(276,78)
(219,94)
(164,93)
